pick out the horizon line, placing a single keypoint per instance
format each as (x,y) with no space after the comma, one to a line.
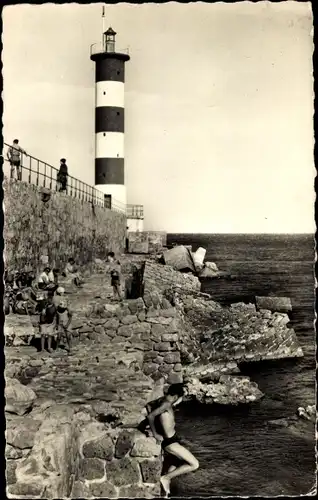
(243,233)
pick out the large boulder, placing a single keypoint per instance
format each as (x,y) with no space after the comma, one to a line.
(19,398)
(210,270)
(211,265)
(198,258)
(228,390)
(179,258)
(274,304)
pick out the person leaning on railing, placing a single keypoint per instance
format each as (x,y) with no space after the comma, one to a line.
(14,157)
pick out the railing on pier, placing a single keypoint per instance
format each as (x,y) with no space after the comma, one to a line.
(42,174)
(135,211)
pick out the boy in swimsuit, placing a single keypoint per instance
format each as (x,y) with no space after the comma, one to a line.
(162,424)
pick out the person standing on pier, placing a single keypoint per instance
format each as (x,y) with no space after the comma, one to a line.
(62,176)
(63,318)
(14,157)
(115,274)
(47,323)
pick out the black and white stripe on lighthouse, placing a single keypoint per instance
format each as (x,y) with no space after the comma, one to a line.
(110,120)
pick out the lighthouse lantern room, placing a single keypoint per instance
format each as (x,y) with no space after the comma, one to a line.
(109,40)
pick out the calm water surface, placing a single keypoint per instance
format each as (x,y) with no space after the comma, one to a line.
(239,453)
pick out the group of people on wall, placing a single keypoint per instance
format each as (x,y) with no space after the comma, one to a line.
(44,296)
(27,292)
(14,156)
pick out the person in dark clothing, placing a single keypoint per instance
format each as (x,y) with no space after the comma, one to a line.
(127,240)
(115,273)
(62,176)
(47,323)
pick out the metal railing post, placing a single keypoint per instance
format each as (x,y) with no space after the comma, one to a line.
(37,172)
(44,181)
(30,169)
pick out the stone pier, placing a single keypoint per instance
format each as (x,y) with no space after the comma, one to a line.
(72,419)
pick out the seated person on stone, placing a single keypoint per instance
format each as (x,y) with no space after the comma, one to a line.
(162,424)
(46,280)
(47,323)
(63,317)
(71,272)
(25,302)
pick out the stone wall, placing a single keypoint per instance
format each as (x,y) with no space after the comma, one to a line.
(61,450)
(71,429)
(117,464)
(149,322)
(61,227)
(147,241)
(138,242)
(163,278)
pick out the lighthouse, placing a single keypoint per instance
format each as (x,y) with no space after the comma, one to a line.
(110,120)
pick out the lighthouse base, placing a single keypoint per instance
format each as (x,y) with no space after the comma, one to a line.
(135,225)
(115,196)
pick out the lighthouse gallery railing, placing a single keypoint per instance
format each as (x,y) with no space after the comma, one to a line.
(99,48)
(42,174)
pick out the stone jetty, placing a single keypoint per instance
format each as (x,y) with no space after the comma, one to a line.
(72,419)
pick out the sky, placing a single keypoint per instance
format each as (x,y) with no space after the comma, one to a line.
(218,107)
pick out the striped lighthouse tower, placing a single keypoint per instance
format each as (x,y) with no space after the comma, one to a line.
(109,120)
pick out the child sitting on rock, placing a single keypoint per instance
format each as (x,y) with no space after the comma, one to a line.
(63,318)
(72,273)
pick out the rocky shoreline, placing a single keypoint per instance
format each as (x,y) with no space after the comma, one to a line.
(124,355)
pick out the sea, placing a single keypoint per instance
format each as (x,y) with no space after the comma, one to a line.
(239,452)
